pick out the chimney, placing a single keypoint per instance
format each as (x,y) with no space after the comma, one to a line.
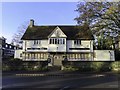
(31,23)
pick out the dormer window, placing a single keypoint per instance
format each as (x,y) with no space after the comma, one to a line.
(56,41)
(36,42)
(77,42)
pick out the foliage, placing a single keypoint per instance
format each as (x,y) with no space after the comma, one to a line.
(17,64)
(12,64)
(117,55)
(116,66)
(70,68)
(94,66)
(103,19)
(35,66)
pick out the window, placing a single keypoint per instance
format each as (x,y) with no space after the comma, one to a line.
(60,41)
(36,42)
(28,56)
(20,54)
(6,45)
(77,42)
(63,41)
(42,57)
(56,41)
(50,41)
(10,46)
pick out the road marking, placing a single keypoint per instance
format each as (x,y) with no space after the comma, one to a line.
(113,85)
(30,74)
(65,87)
(99,75)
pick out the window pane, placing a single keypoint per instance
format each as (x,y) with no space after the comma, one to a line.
(50,41)
(63,41)
(74,41)
(55,41)
(39,42)
(58,41)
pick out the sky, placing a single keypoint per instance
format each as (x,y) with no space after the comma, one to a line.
(15,14)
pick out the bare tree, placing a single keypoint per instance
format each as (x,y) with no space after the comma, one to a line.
(17,36)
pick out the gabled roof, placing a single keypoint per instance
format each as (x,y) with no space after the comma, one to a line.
(72,32)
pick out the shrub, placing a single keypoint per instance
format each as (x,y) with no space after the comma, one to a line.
(116,66)
(96,66)
(35,66)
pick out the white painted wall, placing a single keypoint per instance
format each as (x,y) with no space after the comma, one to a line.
(84,44)
(17,54)
(57,47)
(30,44)
(104,55)
(119,45)
(44,44)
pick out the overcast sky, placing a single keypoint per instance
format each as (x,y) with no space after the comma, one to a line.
(44,13)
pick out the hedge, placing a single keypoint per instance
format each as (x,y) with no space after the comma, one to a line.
(18,64)
(96,66)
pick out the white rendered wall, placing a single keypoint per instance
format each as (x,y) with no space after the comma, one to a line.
(104,55)
(119,45)
(57,47)
(17,54)
(84,44)
(30,44)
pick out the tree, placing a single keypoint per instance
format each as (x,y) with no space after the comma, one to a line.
(17,36)
(103,18)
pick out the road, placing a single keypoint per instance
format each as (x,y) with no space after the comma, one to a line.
(60,81)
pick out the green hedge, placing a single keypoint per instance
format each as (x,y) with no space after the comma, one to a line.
(91,66)
(18,64)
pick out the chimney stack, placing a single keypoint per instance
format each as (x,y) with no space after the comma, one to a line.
(31,23)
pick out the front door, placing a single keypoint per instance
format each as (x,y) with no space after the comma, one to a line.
(57,59)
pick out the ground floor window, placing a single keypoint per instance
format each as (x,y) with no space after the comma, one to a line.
(81,56)
(35,56)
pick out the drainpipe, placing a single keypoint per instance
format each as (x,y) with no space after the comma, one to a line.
(25,49)
(91,51)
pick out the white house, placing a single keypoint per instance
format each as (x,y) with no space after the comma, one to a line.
(56,42)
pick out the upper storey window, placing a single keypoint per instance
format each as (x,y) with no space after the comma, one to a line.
(56,41)
(77,42)
(36,42)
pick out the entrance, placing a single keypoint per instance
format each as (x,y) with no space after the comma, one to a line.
(57,59)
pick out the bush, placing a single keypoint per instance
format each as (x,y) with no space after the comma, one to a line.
(95,66)
(70,68)
(12,64)
(35,65)
(117,55)
(116,66)
(17,64)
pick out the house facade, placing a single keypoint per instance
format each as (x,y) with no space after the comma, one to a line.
(55,43)
(7,50)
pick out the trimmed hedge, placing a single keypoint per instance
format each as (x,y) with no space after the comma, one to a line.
(91,66)
(17,64)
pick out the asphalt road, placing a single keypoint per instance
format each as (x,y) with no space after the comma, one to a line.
(60,81)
